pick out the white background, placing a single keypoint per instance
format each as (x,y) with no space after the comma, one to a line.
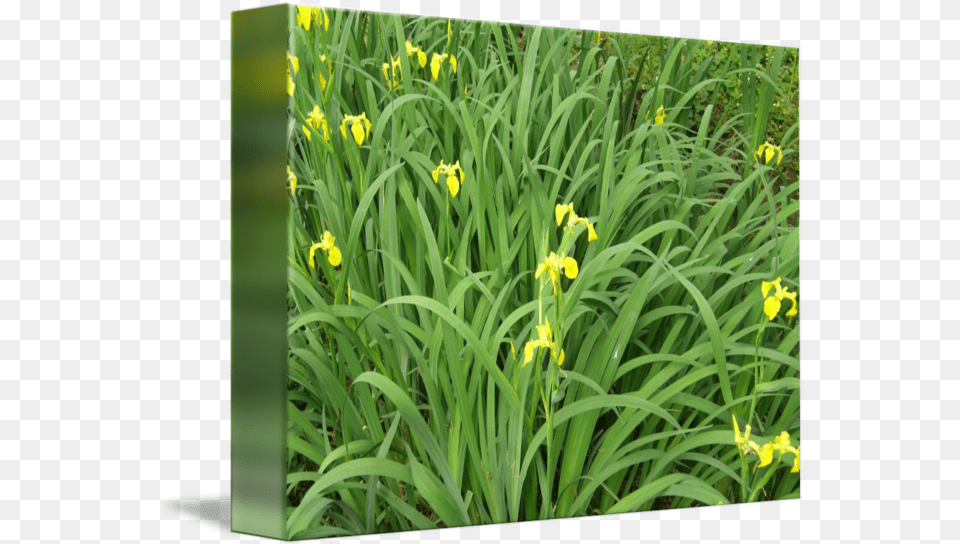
(115,249)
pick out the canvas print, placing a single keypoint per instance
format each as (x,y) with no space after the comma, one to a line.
(534,273)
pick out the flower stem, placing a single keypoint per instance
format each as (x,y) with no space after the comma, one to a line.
(756,371)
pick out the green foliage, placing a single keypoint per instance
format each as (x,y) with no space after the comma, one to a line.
(410,405)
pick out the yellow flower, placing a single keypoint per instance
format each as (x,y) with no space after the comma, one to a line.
(544,340)
(326,245)
(660,117)
(772,303)
(307,15)
(437,61)
(563,209)
(766,455)
(292,179)
(291,86)
(743,442)
(451,171)
(554,264)
(326,19)
(360,126)
(793,298)
(782,442)
(304,16)
(390,71)
(318,121)
(295,62)
(306,132)
(796,462)
(766,152)
(320,78)
(421,56)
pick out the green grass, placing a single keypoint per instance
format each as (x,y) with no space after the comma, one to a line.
(408,408)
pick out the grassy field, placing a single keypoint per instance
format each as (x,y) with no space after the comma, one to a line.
(533,273)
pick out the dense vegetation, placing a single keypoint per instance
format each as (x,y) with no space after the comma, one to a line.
(532,273)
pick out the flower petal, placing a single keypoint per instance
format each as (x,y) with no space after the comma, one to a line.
(357,130)
(561,210)
(528,352)
(452,184)
(334,257)
(771,306)
(570,268)
(766,455)
(592,234)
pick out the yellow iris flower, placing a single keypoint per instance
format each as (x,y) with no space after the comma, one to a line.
(359,126)
(554,264)
(660,117)
(574,220)
(437,61)
(743,442)
(318,121)
(291,86)
(307,15)
(320,78)
(295,62)
(544,340)
(766,152)
(772,303)
(780,444)
(292,179)
(451,171)
(326,245)
(421,55)
(391,70)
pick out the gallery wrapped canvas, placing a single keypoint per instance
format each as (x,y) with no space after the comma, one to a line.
(487,273)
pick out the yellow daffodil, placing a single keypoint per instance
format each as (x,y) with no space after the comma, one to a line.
(421,55)
(326,244)
(292,179)
(392,72)
(554,264)
(451,171)
(295,62)
(660,117)
(772,303)
(574,220)
(544,340)
(318,121)
(766,152)
(437,61)
(359,126)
